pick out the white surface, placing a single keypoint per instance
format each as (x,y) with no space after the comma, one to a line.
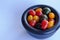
(10,18)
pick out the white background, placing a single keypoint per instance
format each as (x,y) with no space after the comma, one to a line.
(11,11)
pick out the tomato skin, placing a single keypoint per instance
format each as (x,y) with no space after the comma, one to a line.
(30,17)
(36,18)
(32,12)
(42,17)
(50,23)
(39,11)
(44,24)
(51,15)
(32,23)
(46,10)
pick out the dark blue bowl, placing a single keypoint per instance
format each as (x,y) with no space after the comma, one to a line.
(39,33)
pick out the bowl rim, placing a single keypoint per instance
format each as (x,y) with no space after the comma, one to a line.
(34,29)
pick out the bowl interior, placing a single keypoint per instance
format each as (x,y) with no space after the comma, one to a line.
(42,6)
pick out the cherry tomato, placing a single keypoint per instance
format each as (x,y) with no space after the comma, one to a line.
(50,23)
(51,15)
(44,24)
(30,17)
(32,12)
(38,11)
(43,17)
(46,10)
(36,18)
(32,23)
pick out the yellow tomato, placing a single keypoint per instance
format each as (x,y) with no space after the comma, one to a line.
(30,18)
(36,18)
(38,9)
(51,15)
(50,24)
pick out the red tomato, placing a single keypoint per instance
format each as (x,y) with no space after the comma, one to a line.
(32,12)
(32,23)
(38,13)
(44,24)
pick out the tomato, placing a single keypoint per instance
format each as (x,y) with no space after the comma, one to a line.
(43,17)
(36,18)
(30,17)
(44,24)
(32,12)
(32,23)
(46,10)
(51,15)
(50,23)
(38,11)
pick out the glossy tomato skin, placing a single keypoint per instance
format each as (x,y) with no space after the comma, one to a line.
(32,23)
(46,10)
(36,18)
(50,23)
(39,9)
(32,12)
(42,17)
(51,15)
(38,13)
(44,24)
(29,18)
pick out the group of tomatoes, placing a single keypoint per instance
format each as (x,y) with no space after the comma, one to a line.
(41,18)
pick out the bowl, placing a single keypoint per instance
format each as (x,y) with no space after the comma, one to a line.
(39,33)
